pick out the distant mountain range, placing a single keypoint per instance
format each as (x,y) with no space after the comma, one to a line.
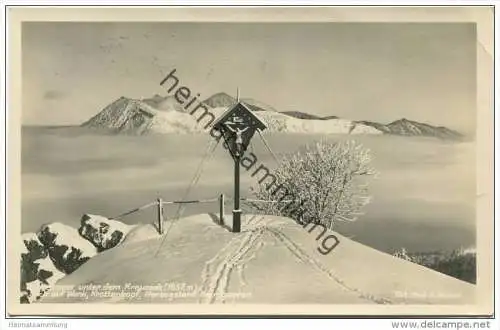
(413,128)
(160,114)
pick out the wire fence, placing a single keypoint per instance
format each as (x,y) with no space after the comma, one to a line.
(159,204)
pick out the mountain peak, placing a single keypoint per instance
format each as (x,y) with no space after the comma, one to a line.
(223,95)
(407,127)
(221,99)
(401,121)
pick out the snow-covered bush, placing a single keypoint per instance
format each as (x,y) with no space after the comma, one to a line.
(323,183)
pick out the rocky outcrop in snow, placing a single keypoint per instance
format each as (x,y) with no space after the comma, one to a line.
(66,248)
(102,232)
(57,249)
(33,247)
(38,272)
(47,276)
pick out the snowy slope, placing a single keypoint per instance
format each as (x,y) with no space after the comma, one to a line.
(273,260)
(279,122)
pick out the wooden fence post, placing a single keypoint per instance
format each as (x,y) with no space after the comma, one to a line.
(221,208)
(160,216)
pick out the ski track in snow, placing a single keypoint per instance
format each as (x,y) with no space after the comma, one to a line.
(304,257)
(240,250)
(243,248)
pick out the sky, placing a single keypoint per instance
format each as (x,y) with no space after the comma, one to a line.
(360,71)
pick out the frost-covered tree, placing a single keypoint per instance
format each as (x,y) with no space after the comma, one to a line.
(323,183)
(403,254)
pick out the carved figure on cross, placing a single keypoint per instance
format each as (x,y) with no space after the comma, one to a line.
(238,131)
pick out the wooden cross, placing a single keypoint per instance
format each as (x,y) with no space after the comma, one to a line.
(237,126)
